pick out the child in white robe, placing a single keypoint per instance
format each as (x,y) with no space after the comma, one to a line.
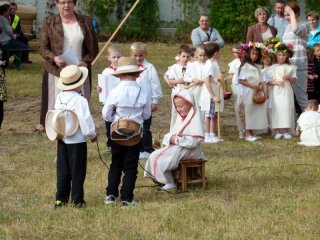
(183,141)
(195,74)
(281,97)
(250,77)
(175,75)
(309,125)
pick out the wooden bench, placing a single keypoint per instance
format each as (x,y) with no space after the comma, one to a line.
(191,172)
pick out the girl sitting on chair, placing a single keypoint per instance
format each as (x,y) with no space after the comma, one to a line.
(183,141)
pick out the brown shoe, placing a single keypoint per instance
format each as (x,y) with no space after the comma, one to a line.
(39,128)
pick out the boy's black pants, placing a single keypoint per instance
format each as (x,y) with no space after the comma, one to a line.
(71,171)
(124,159)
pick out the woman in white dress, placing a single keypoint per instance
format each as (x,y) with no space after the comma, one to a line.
(183,141)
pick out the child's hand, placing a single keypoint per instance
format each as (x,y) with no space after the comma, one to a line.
(216,99)
(173,139)
(94,139)
(99,89)
(311,77)
(195,80)
(154,107)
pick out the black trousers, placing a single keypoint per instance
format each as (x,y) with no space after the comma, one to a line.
(146,141)
(1,113)
(124,159)
(108,132)
(71,171)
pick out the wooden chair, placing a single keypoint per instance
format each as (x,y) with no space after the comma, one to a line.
(192,171)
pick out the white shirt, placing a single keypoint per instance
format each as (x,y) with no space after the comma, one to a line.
(73,37)
(194,71)
(212,69)
(122,103)
(174,72)
(149,82)
(72,100)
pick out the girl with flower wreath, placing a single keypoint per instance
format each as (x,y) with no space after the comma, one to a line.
(280,78)
(250,77)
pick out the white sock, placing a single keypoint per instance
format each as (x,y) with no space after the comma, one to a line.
(212,135)
(206,135)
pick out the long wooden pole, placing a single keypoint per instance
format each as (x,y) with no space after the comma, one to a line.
(115,32)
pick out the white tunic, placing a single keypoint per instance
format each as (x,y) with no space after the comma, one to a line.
(255,114)
(281,97)
(212,70)
(195,70)
(309,124)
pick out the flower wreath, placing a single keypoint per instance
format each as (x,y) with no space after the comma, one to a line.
(241,49)
(276,46)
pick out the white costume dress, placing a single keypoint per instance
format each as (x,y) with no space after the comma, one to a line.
(255,114)
(190,133)
(309,124)
(195,70)
(281,97)
(174,72)
(237,90)
(211,69)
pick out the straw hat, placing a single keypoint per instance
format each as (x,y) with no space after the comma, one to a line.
(60,123)
(72,77)
(127,65)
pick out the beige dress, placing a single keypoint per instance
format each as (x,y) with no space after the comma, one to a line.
(255,114)
(281,97)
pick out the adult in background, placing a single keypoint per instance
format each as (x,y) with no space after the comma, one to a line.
(296,33)
(314,35)
(16,27)
(8,39)
(60,32)
(277,19)
(204,33)
(261,31)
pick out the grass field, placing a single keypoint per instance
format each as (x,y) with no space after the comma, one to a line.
(263,190)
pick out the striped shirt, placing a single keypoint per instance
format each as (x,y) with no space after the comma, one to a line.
(299,40)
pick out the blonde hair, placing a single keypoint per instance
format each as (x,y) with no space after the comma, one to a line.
(115,48)
(312,105)
(139,46)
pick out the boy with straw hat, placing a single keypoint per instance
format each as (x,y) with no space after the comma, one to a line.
(128,103)
(72,150)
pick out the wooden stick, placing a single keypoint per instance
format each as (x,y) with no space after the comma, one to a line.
(219,89)
(115,32)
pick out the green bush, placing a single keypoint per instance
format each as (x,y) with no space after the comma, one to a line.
(231,18)
(313,5)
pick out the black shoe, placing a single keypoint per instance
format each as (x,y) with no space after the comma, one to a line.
(59,204)
(80,205)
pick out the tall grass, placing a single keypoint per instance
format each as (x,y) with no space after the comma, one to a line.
(262,190)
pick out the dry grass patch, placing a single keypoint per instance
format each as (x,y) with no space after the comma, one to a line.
(262,190)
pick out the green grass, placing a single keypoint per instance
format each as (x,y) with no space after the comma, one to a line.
(263,190)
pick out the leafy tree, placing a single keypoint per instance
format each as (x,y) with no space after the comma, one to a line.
(231,18)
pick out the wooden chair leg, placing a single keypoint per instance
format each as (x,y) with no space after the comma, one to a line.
(203,176)
(184,178)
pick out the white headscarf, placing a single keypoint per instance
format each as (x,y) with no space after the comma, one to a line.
(192,124)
